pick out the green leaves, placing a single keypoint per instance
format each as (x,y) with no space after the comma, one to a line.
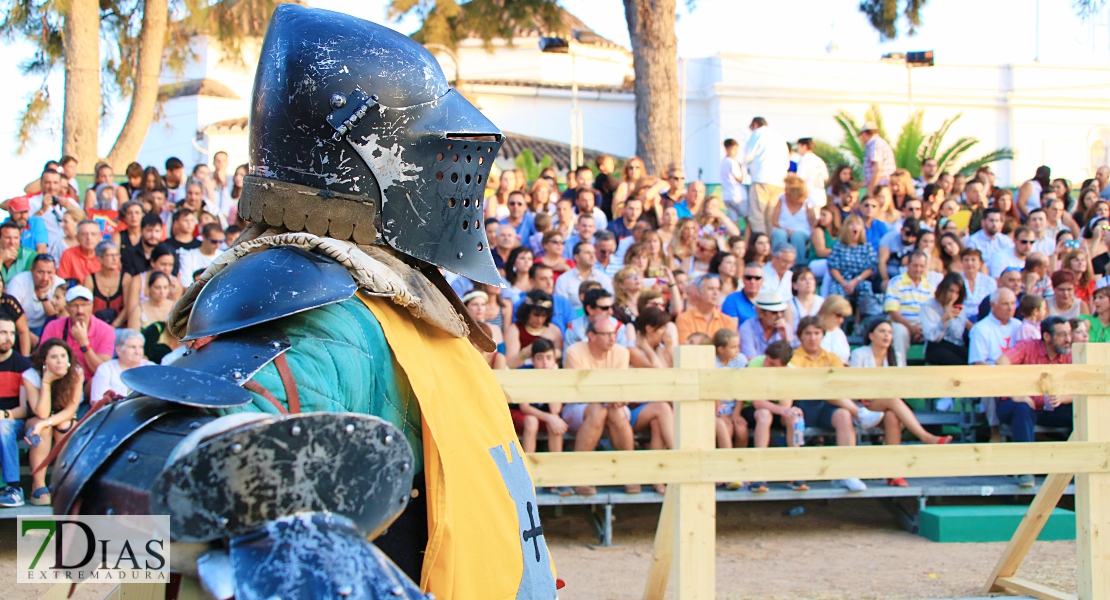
(445,22)
(883,16)
(526,161)
(911,148)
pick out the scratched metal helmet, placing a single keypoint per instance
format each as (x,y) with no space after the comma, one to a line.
(355,134)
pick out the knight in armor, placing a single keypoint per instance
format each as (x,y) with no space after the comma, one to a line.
(331,393)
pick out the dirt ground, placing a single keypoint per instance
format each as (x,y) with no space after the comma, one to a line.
(844,550)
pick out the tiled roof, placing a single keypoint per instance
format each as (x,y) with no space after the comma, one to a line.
(516,143)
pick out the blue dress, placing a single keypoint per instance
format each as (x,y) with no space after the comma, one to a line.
(851,261)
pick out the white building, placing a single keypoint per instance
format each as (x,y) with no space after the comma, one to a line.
(1049,114)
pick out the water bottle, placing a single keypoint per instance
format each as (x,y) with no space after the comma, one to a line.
(1048,403)
(799,431)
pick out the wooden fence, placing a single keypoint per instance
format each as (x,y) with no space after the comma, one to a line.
(685,538)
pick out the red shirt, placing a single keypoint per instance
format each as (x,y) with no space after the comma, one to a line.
(75,265)
(1032,352)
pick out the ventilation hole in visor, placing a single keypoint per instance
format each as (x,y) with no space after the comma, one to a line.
(439,176)
(449,146)
(467,178)
(466,224)
(454,177)
(455,158)
(477,224)
(451,202)
(479,179)
(466,202)
(481,160)
(480,247)
(468,158)
(490,149)
(439,156)
(477,203)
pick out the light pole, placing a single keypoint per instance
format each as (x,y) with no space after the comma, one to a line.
(922,58)
(558,45)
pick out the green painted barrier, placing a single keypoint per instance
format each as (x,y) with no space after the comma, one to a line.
(988,523)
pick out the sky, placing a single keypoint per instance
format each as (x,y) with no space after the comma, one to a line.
(956,30)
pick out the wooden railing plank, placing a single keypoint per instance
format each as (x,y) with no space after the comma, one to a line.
(829,462)
(1092,490)
(680,385)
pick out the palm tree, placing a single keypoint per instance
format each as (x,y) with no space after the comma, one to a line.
(912,147)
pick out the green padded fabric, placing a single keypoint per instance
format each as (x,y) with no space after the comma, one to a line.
(342,363)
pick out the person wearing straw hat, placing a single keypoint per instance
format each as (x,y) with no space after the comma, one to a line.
(878,157)
(769,325)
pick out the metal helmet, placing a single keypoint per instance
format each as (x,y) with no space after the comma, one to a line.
(355,134)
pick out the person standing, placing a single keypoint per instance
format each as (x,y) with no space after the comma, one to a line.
(733,192)
(813,170)
(767,157)
(878,159)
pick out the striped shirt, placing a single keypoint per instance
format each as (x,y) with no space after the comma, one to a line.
(878,152)
(906,297)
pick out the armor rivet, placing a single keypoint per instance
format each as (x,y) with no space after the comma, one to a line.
(222,521)
(404,467)
(275,345)
(236,375)
(236,448)
(389,223)
(295,431)
(388,440)
(415,493)
(345,591)
(132,457)
(397,590)
(374,97)
(338,101)
(194,425)
(349,429)
(459,255)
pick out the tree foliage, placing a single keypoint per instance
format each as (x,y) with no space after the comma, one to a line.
(41,22)
(446,22)
(533,169)
(912,147)
(884,15)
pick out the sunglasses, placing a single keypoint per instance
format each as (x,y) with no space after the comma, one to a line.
(1025,241)
(607,307)
(753,277)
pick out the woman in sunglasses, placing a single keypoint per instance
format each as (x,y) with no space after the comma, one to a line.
(533,320)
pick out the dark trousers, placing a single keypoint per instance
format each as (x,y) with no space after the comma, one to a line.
(945,353)
(1022,418)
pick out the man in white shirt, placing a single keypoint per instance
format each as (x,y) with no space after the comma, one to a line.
(990,239)
(585,259)
(733,192)
(605,243)
(993,335)
(584,204)
(814,171)
(211,238)
(777,273)
(768,158)
(1102,176)
(1013,257)
(1043,242)
(34,290)
(221,185)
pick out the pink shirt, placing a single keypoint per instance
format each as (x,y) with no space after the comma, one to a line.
(102,339)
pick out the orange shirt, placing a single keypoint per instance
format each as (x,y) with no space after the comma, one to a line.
(693,321)
(75,265)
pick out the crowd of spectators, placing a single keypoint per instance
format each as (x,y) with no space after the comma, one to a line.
(787,265)
(89,278)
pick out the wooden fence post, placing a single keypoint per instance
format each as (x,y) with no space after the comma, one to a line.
(1092,490)
(696,510)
